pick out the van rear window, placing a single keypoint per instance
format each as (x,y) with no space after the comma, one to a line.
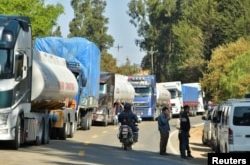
(241,116)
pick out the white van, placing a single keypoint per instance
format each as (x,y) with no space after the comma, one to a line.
(234,127)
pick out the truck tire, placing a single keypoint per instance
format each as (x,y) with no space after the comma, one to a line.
(105,122)
(63,132)
(39,137)
(89,122)
(15,144)
(85,123)
(46,136)
(71,130)
(115,121)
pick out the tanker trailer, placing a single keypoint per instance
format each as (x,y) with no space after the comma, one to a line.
(54,87)
(114,90)
(163,97)
(83,60)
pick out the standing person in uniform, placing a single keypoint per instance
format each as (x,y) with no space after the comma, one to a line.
(164,128)
(184,133)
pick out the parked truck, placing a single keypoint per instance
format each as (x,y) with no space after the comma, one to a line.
(176,96)
(190,97)
(145,95)
(114,90)
(83,59)
(200,107)
(163,97)
(34,87)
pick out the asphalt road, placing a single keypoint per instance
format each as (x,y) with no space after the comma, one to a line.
(99,146)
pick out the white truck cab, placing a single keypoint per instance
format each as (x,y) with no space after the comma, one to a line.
(176,96)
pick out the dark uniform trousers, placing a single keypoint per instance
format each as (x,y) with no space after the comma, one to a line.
(184,143)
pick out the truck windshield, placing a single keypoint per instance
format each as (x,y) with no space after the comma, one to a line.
(6,63)
(174,93)
(143,91)
(241,116)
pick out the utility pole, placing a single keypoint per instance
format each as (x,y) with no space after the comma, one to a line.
(151,52)
(118,47)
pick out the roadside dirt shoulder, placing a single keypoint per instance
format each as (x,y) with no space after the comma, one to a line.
(198,149)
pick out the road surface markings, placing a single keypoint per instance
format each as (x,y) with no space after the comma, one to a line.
(171,147)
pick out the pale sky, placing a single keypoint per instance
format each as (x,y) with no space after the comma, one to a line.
(122,31)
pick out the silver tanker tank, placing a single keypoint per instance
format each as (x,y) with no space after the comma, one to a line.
(163,96)
(52,81)
(124,91)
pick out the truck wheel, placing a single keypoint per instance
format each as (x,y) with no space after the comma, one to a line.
(71,130)
(115,121)
(84,123)
(16,143)
(46,137)
(105,123)
(63,132)
(89,122)
(39,137)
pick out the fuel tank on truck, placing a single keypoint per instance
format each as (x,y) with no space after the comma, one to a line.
(124,91)
(163,96)
(52,81)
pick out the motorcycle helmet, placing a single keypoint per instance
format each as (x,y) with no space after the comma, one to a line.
(127,107)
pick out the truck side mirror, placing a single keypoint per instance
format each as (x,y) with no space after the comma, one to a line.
(19,66)
(84,82)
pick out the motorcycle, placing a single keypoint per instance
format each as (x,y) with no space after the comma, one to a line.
(127,137)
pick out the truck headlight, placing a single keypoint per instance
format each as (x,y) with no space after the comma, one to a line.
(3,119)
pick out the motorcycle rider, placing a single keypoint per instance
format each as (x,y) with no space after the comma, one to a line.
(127,117)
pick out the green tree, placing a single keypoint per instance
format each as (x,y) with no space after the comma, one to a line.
(89,22)
(108,63)
(154,20)
(220,66)
(188,48)
(43,17)
(57,32)
(236,82)
(183,33)
(128,68)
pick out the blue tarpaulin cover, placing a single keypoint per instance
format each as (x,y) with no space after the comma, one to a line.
(76,49)
(190,95)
